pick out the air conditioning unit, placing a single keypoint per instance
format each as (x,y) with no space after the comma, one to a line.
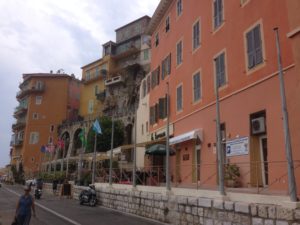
(258,125)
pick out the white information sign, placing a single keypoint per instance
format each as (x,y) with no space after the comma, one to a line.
(239,146)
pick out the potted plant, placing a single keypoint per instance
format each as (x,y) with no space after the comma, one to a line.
(232,175)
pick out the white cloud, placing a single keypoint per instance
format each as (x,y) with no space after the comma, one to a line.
(44,35)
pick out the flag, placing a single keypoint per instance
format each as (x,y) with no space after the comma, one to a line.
(43,149)
(97,127)
(81,136)
(60,143)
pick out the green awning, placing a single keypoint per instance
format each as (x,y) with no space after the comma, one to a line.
(158,149)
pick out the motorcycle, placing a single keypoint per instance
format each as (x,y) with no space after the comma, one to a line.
(88,197)
(38,193)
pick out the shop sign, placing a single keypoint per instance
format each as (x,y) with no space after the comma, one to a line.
(239,146)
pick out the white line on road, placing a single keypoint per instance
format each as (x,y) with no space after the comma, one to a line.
(48,210)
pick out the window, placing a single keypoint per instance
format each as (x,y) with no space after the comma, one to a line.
(197,87)
(162,107)
(91,106)
(144,87)
(220,70)
(179,104)
(35,116)
(196,35)
(156,40)
(51,128)
(167,24)
(34,138)
(179,52)
(96,89)
(166,67)
(39,85)
(97,72)
(88,75)
(179,7)
(254,47)
(146,54)
(147,126)
(153,115)
(155,77)
(38,100)
(218,13)
(142,129)
(148,84)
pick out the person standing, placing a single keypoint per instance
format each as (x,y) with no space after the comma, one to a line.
(24,207)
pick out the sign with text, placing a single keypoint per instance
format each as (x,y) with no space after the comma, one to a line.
(239,146)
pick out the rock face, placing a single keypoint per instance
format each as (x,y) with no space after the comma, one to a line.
(182,210)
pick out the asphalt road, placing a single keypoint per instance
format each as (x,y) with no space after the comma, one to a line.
(54,211)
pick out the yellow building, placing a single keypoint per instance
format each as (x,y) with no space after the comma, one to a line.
(93,88)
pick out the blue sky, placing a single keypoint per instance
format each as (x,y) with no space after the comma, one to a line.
(44,35)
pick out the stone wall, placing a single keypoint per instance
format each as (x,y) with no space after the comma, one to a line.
(183,210)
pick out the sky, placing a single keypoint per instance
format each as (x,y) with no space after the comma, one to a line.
(44,35)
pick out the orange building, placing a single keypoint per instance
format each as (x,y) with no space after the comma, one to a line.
(45,100)
(198,42)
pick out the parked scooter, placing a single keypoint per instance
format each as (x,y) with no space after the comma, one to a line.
(38,193)
(88,196)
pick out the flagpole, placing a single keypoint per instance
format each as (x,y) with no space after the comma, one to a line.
(111,150)
(94,158)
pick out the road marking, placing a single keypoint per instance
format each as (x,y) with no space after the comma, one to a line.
(47,209)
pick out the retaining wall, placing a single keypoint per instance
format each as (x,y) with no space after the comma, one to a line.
(168,207)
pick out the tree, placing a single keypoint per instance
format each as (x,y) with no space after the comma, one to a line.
(104,139)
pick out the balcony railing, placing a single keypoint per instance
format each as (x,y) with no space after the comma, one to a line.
(31,89)
(16,143)
(20,110)
(19,125)
(94,77)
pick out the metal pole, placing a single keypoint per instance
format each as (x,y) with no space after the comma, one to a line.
(80,163)
(168,184)
(111,150)
(63,155)
(94,159)
(134,150)
(67,169)
(287,137)
(219,142)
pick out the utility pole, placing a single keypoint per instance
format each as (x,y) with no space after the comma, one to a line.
(111,150)
(94,159)
(168,184)
(287,137)
(219,141)
(134,149)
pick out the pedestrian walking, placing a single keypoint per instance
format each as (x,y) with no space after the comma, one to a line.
(54,186)
(24,207)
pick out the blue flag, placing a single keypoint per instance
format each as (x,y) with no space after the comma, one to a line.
(97,127)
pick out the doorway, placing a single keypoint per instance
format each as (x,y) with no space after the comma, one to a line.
(264,159)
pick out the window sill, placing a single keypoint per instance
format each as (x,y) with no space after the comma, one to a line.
(255,68)
(218,28)
(196,49)
(197,102)
(179,65)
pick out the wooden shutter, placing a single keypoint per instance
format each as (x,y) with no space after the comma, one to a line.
(220,11)
(158,75)
(257,45)
(161,104)
(169,64)
(151,115)
(215,13)
(222,70)
(156,109)
(250,49)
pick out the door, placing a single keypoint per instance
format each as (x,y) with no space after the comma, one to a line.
(264,159)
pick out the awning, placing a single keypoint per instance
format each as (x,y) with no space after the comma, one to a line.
(187,136)
(158,149)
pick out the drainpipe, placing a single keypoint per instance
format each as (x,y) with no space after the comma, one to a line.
(111,150)
(168,184)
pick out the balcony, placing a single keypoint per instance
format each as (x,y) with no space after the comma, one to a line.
(31,89)
(20,110)
(126,52)
(94,77)
(114,80)
(20,124)
(101,96)
(16,143)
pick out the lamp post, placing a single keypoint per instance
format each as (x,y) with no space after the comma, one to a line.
(219,141)
(168,184)
(287,137)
